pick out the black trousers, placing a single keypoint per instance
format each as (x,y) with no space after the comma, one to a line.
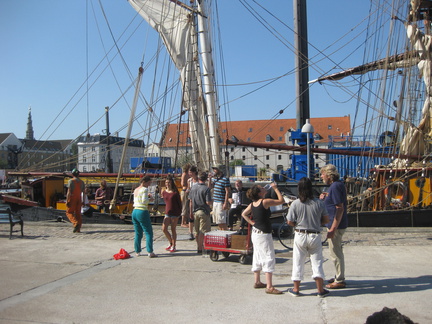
(236,212)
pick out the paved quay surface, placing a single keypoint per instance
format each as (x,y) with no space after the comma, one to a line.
(54,276)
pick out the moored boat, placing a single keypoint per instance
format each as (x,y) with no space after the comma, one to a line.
(42,196)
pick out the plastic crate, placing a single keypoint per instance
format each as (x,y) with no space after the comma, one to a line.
(219,239)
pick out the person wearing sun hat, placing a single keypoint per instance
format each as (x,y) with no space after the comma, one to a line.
(335,200)
(74,200)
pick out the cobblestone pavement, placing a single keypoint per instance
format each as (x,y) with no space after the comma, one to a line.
(353,236)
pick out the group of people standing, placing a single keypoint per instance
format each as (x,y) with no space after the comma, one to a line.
(198,201)
(193,205)
(307,215)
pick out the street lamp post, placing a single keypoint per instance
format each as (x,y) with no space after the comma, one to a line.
(307,128)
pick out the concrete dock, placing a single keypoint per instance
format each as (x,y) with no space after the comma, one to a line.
(54,276)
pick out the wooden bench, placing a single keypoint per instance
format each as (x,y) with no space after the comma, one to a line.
(7,217)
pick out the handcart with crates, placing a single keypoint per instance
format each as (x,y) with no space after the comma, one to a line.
(228,242)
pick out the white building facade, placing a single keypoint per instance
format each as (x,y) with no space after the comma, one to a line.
(95,151)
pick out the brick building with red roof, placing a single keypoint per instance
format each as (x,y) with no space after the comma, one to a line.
(257,131)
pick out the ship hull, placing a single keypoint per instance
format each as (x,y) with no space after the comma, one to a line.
(391,218)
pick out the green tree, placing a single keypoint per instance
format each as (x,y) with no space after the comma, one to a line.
(236,162)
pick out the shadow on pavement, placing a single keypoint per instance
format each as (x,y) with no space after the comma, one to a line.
(384,286)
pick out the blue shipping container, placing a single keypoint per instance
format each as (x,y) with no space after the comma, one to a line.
(249,171)
(356,166)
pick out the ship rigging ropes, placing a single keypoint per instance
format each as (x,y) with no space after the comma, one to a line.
(157,118)
(391,98)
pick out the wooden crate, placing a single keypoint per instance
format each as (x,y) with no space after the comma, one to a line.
(238,242)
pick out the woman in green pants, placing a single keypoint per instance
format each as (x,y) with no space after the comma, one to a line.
(141,218)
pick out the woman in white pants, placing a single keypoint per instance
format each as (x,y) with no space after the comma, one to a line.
(307,214)
(263,252)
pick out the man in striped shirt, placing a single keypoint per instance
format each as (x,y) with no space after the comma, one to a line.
(221,192)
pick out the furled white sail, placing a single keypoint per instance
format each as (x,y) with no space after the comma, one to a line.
(414,142)
(174,23)
(388,63)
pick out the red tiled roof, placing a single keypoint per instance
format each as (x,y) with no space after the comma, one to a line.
(257,130)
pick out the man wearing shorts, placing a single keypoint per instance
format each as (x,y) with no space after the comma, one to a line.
(221,193)
(200,202)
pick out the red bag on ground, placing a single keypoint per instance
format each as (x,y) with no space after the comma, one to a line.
(123,254)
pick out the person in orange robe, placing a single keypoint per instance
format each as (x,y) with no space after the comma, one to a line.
(74,201)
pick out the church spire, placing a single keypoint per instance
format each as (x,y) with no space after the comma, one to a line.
(29,132)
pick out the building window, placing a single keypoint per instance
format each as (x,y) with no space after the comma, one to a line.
(329,127)
(84,159)
(279,157)
(243,157)
(269,138)
(188,140)
(93,148)
(281,128)
(250,130)
(84,149)
(248,139)
(255,149)
(84,169)
(280,138)
(232,157)
(317,137)
(267,157)
(223,130)
(243,149)
(93,158)
(255,157)
(232,149)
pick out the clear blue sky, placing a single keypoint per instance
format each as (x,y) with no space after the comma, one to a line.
(45,54)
